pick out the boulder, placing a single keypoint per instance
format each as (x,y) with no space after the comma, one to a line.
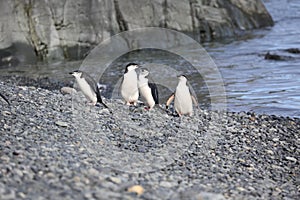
(67,29)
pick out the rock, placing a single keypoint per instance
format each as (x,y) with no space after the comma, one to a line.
(293,50)
(93,172)
(10,195)
(67,90)
(273,56)
(48,30)
(166,184)
(22,195)
(6,113)
(115,180)
(90,160)
(210,196)
(138,189)
(291,159)
(61,123)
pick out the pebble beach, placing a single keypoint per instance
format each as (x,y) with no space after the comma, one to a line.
(46,152)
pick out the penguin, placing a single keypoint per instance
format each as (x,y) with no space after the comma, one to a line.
(183,99)
(148,90)
(88,86)
(129,87)
(5,99)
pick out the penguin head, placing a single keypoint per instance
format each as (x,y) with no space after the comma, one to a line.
(76,73)
(130,67)
(182,78)
(144,72)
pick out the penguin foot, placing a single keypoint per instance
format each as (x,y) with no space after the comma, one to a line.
(91,103)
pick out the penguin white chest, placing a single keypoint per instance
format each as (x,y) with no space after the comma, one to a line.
(147,94)
(86,89)
(183,101)
(129,88)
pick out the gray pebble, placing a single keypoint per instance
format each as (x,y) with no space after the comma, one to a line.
(46,153)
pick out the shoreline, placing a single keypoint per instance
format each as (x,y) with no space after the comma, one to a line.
(56,84)
(47,153)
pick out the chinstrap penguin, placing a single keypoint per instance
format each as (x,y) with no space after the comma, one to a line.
(129,87)
(183,99)
(88,86)
(148,90)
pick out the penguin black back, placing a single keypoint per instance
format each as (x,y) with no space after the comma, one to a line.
(154,92)
(94,86)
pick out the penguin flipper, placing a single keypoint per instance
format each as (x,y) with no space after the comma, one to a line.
(5,98)
(194,100)
(154,92)
(170,99)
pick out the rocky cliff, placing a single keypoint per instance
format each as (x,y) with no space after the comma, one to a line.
(67,29)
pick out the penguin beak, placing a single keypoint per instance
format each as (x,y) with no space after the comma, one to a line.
(71,73)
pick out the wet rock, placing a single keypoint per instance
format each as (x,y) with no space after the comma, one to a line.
(273,56)
(54,30)
(293,50)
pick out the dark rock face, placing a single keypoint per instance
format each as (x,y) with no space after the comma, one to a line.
(283,55)
(67,29)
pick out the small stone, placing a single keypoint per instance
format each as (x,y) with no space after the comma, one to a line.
(23,87)
(291,159)
(61,123)
(76,179)
(22,195)
(241,189)
(139,190)
(10,195)
(104,111)
(31,88)
(18,172)
(210,196)
(5,158)
(272,130)
(93,172)
(115,180)
(50,175)
(270,152)
(6,127)
(166,184)
(6,113)
(252,118)
(88,195)
(67,90)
